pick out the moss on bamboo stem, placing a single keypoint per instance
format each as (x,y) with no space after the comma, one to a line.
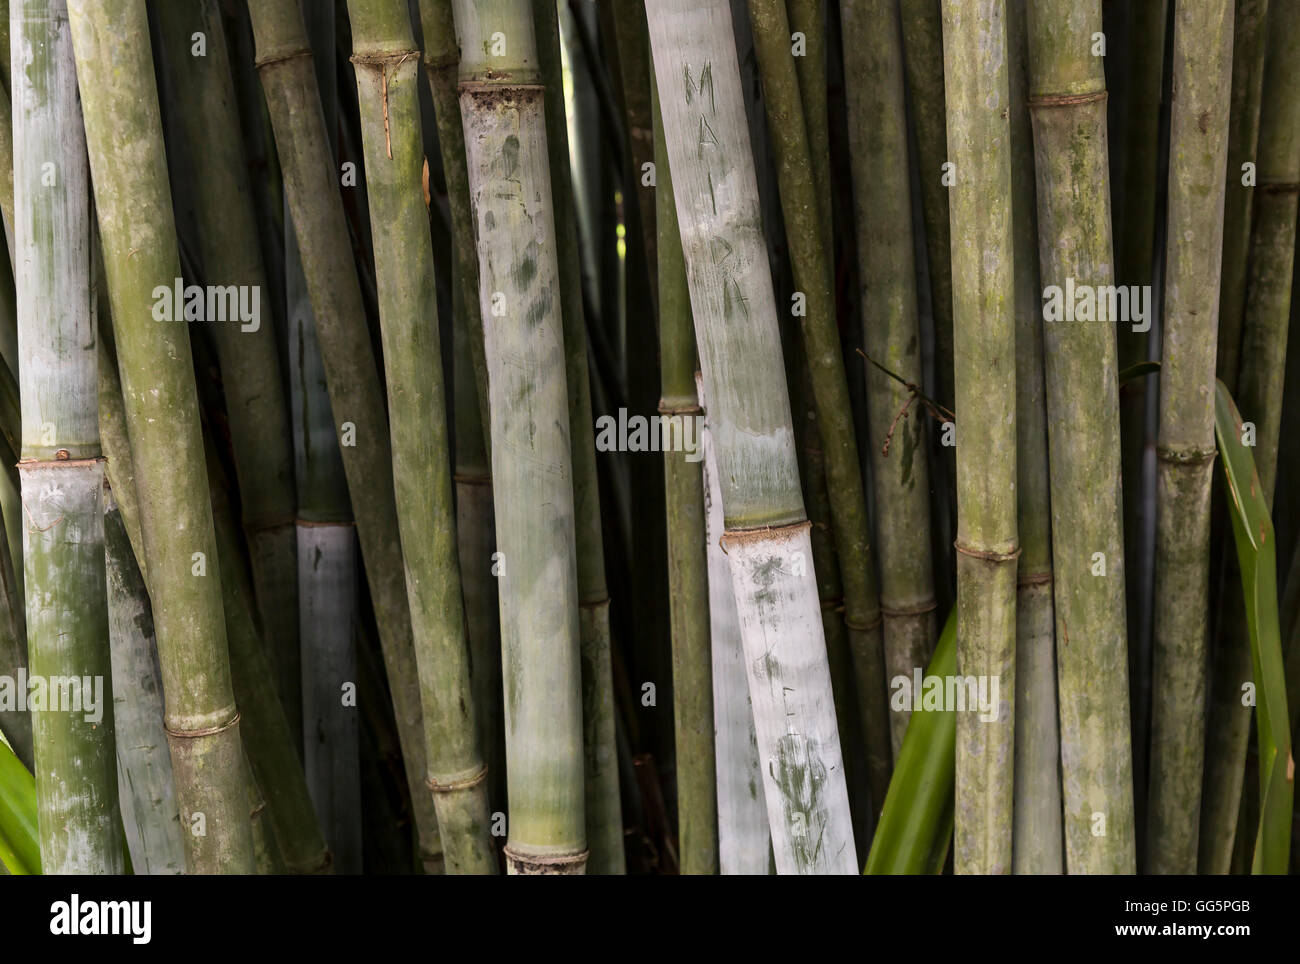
(1068,110)
(984,336)
(1198,149)
(878,139)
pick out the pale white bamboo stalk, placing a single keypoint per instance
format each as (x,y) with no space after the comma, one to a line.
(744,841)
(767,535)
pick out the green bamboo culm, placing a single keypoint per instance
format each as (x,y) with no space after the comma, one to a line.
(766,530)
(984,335)
(256,407)
(688,573)
(61,465)
(1198,150)
(1249,42)
(503,111)
(124,135)
(805,206)
(603,806)
(1068,110)
(389,76)
(891,336)
(1037,836)
(311,189)
(1258,395)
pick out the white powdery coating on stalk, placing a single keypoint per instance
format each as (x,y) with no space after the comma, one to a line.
(790,692)
(744,841)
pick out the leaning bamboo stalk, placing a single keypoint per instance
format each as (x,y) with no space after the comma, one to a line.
(805,206)
(1249,42)
(1197,153)
(144,770)
(688,572)
(61,464)
(124,135)
(311,189)
(744,841)
(766,531)
(603,806)
(899,464)
(388,72)
(1037,841)
(1068,109)
(256,409)
(1259,398)
(984,338)
(510,184)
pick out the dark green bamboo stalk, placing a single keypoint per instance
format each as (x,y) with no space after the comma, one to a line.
(311,188)
(1068,110)
(1037,843)
(503,110)
(124,136)
(1198,150)
(255,399)
(388,72)
(604,812)
(899,464)
(634,67)
(1249,35)
(1259,399)
(61,465)
(984,338)
(688,575)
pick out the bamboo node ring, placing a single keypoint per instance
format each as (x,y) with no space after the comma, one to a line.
(1185,456)
(919,609)
(451,785)
(987,554)
(1066,100)
(208,731)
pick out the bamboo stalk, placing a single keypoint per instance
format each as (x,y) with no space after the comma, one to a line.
(688,571)
(61,467)
(1259,399)
(1249,38)
(144,770)
(1037,837)
(984,337)
(1198,150)
(255,399)
(744,841)
(533,489)
(878,139)
(1068,110)
(766,531)
(124,135)
(603,808)
(388,75)
(353,380)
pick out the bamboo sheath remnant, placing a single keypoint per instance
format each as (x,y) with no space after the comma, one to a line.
(984,335)
(766,538)
(1199,141)
(1068,112)
(124,136)
(502,108)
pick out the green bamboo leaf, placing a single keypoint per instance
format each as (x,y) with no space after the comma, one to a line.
(20,849)
(1253,532)
(916,823)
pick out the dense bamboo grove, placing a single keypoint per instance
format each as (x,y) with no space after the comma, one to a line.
(690,436)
